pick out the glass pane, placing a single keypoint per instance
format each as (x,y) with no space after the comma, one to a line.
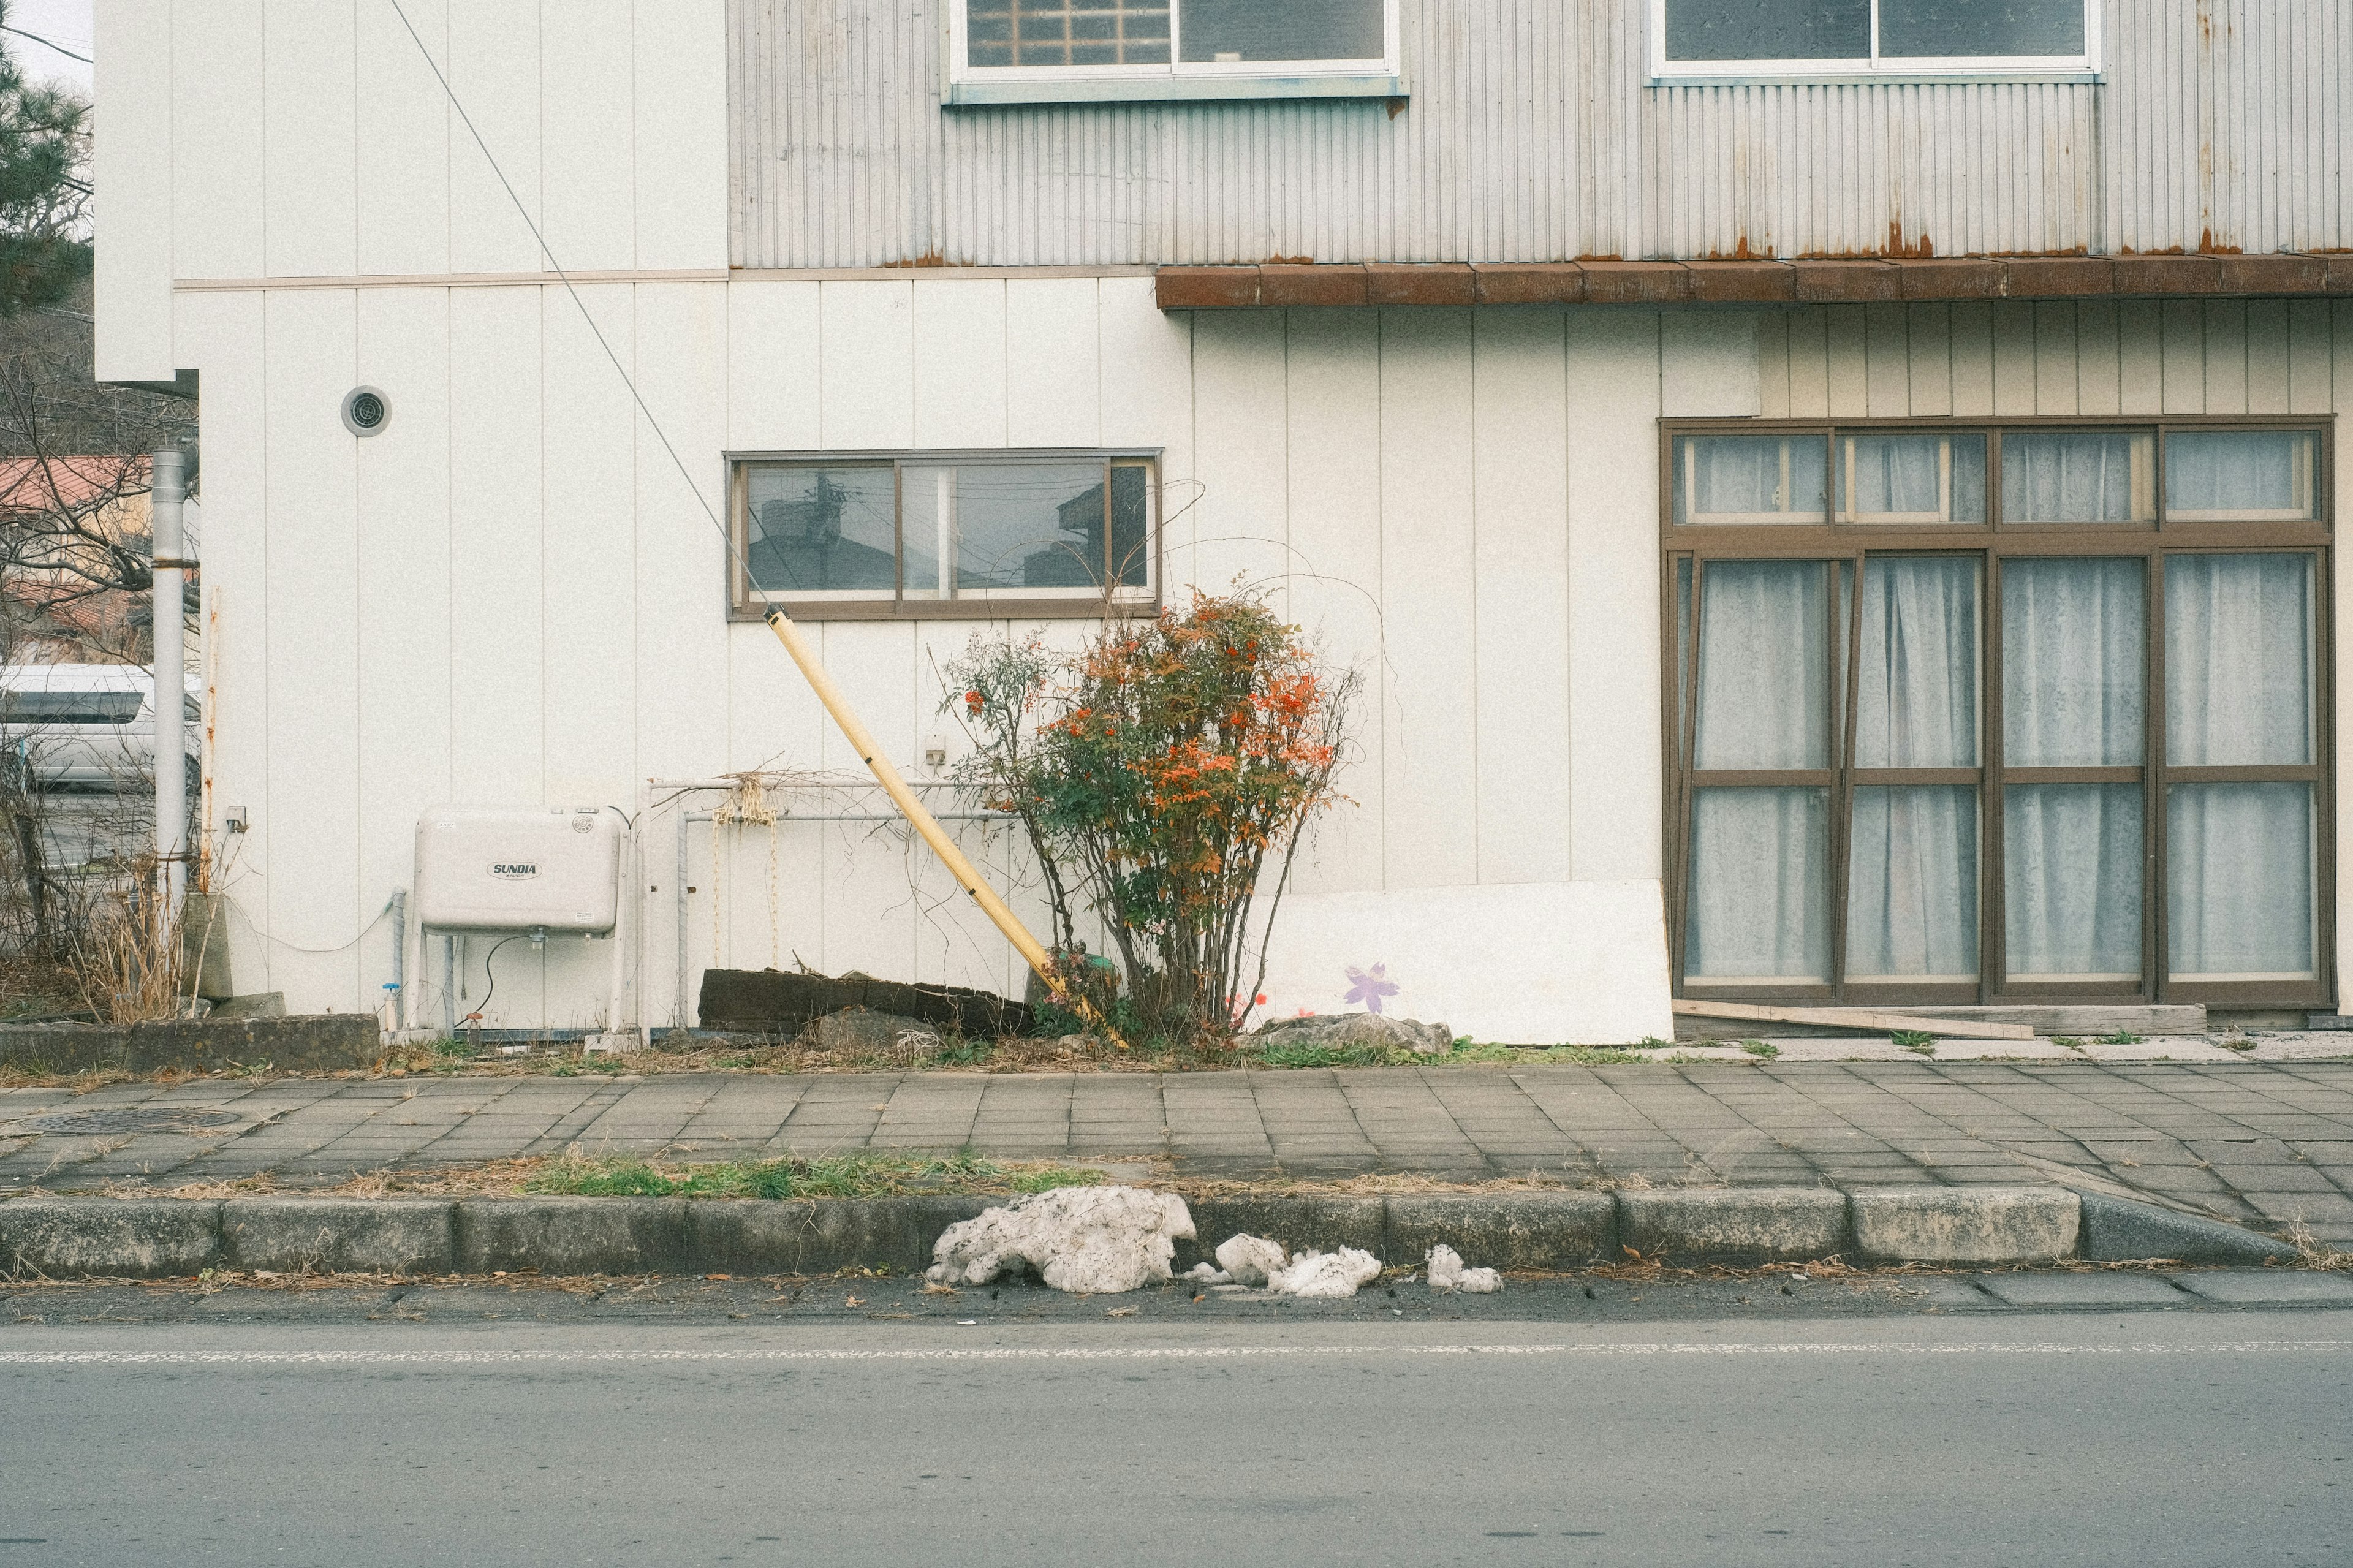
(2065,476)
(1683,646)
(1917,676)
(1960,29)
(1760,904)
(1910,478)
(74,707)
(1067,32)
(2075,672)
(2072,882)
(1029,527)
(822,531)
(1131,525)
(2240,475)
(928,524)
(2237,660)
(1912,885)
(1725,480)
(2240,859)
(1764,665)
(1242,30)
(1772,30)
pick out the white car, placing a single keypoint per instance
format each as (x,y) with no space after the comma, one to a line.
(89,726)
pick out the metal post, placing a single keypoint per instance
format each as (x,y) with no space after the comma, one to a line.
(171,688)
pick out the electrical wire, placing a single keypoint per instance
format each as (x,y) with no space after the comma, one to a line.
(47,43)
(491,975)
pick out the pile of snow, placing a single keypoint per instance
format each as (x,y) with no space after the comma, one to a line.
(1447,1273)
(1249,1260)
(1086,1240)
(1325,1274)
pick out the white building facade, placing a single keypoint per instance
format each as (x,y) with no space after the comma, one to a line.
(1847,504)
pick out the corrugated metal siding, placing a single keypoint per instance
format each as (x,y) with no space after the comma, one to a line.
(1532,135)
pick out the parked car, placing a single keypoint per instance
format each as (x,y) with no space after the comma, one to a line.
(89,727)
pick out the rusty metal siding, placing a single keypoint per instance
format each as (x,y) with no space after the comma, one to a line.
(1532,135)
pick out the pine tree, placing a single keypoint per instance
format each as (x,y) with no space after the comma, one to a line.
(44,199)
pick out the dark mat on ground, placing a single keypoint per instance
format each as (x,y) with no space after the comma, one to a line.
(774,1002)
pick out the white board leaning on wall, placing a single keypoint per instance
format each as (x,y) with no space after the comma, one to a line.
(1532,964)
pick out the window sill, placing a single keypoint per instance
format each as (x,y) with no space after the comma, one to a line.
(1170,89)
(1929,78)
(954,610)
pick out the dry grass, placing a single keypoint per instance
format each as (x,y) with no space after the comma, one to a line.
(128,954)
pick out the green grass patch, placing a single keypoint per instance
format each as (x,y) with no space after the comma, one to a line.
(1765,1048)
(1918,1040)
(857,1176)
(1464,1051)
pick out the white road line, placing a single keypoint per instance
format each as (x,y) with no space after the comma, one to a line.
(1139,1352)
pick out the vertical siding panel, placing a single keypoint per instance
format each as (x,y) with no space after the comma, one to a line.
(1931,360)
(1053,388)
(2267,356)
(310,138)
(403,166)
(772,363)
(2014,357)
(1887,361)
(493,67)
(2140,356)
(214,173)
(1428,595)
(1972,361)
(1613,597)
(587,115)
(2185,357)
(1520,573)
(866,364)
(1333,438)
(1239,528)
(960,344)
(2056,362)
(2098,390)
(2308,357)
(1809,380)
(2226,356)
(1849,389)
(1773,364)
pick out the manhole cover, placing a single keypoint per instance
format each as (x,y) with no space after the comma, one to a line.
(132,1118)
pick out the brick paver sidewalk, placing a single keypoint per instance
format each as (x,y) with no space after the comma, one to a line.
(2270,1143)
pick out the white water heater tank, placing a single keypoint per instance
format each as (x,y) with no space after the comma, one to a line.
(518,867)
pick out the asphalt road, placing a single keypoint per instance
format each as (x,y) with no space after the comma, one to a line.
(1899,1438)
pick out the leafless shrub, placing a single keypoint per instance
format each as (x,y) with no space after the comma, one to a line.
(128,958)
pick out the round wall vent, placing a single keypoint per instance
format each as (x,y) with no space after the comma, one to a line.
(366,411)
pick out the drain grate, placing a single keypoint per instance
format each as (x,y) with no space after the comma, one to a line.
(132,1118)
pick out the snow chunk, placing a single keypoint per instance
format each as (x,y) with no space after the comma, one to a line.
(1447,1273)
(1327,1274)
(1207,1274)
(1086,1240)
(1249,1260)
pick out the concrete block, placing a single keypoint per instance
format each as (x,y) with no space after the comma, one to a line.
(819,1236)
(1738,1224)
(1964,1224)
(1324,1223)
(2117,1229)
(340,1235)
(564,1236)
(2093,1291)
(108,1239)
(1502,1230)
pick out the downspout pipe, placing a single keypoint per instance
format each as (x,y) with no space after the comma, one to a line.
(171,684)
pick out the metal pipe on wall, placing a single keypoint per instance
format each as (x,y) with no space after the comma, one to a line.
(171,684)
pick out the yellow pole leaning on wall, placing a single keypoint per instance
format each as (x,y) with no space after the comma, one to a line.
(887,774)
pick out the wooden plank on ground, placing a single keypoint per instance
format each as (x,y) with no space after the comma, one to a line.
(1854,1019)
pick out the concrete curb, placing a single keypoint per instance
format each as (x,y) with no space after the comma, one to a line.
(147,1238)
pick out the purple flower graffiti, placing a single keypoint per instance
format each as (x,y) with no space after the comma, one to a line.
(1369,985)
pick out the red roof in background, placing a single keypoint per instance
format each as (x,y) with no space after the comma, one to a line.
(30,483)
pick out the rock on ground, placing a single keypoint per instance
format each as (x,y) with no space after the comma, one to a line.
(1447,1273)
(1248,1259)
(1085,1240)
(860,1032)
(1355,1029)
(1325,1274)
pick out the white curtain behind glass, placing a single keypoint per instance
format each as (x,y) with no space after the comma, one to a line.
(2239,676)
(1912,886)
(1759,903)
(2237,472)
(2070,477)
(1894,474)
(2074,692)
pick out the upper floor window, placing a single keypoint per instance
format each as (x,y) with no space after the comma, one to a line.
(1866,37)
(1041,50)
(947,534)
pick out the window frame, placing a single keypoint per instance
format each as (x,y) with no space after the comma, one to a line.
(2085,68)
(872,605)
(965,83)
(1687,547)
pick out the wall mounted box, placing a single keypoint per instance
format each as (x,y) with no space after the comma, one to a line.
(506,868)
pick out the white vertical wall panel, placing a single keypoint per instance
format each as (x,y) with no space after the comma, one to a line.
(866,370)
(587,115)
(492,65)
(132,269)
(680,124)
(402,164)
(215,166)
(1053,366)
(1533,134)
(314,903)
(960,361)
(309,93)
